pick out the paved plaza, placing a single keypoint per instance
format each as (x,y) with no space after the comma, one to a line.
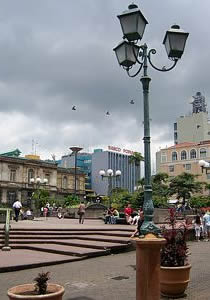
(111,276)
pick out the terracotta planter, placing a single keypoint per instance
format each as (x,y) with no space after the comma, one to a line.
(174,280)
(56,292)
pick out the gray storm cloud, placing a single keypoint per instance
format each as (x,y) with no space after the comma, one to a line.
(56,54)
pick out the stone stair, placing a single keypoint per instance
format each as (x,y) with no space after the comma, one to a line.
(72,243)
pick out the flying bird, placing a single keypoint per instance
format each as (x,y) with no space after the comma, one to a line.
(132,102)
(74,107)
(107,113)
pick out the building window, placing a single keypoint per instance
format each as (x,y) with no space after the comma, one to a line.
(30,174)
(11,197)
(188,167)
(175,136)
(192,154)
(174,156)
(202,153)
(47,176)
(12,175)
(208,175)
(171,168)
(183,155)
(175,126)
(163,157)
(64,185)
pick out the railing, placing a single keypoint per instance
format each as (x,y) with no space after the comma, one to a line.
(6,246)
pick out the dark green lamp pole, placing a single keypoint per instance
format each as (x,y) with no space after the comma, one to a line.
(75,150)
(128,53)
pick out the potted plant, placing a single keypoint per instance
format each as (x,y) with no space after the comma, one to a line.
(175,268)
(41,289)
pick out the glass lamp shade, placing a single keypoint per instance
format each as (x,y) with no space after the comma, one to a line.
(118,173)
(201,163)
(109,172)
(206,164)
(38,180)
(32,180)
(102,173)
(133,23)
(174,41)
(126,54)
(45,180)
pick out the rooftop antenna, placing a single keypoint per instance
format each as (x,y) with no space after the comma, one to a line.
(32,146)
(36,143)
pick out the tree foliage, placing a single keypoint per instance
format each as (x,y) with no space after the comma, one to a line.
(184,185)
(71,200)
(136,158)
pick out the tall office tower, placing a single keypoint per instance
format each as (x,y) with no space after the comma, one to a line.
(104,160)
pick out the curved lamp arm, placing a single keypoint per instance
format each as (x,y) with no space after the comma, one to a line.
(141,63)
(163,69)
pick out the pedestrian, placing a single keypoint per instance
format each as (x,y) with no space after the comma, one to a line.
(17,206)
(45,212)
(206,223)
(81,212)
(197,225)
(128,211)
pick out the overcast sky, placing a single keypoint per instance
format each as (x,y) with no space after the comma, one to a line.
(58,53)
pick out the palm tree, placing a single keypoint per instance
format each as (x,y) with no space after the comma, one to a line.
(136,158)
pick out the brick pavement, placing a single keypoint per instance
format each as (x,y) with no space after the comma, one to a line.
(112,277)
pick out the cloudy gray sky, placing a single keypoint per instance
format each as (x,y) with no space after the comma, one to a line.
(58,53)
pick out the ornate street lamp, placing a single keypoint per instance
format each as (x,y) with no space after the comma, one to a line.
(204,165)
(37,182)
(75,150)
(109,174)
(128,53)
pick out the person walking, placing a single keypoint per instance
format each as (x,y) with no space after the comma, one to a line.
(45,212)
(81,212)
(197,226)
(17,207)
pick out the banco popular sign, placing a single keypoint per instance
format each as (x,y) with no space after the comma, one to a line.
(121,150)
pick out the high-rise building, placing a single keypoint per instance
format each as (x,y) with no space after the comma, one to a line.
(92,163)
(194,127)
(104,160)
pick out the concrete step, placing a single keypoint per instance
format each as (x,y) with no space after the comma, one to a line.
(63,249)
(69,233)
(21,259)
(96,237)
(75,242)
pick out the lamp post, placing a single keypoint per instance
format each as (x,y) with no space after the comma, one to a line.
(128,53)
(75,150)
(204,165)
(37,182)
(109,174)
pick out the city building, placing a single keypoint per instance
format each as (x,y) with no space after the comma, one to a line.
(184,157)
(16,172)
(116,159)
(194,127)
(84,161)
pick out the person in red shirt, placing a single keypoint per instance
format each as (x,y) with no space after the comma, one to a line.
(128,211)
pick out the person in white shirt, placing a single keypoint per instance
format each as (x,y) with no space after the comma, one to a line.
(17,206)
(206,221)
